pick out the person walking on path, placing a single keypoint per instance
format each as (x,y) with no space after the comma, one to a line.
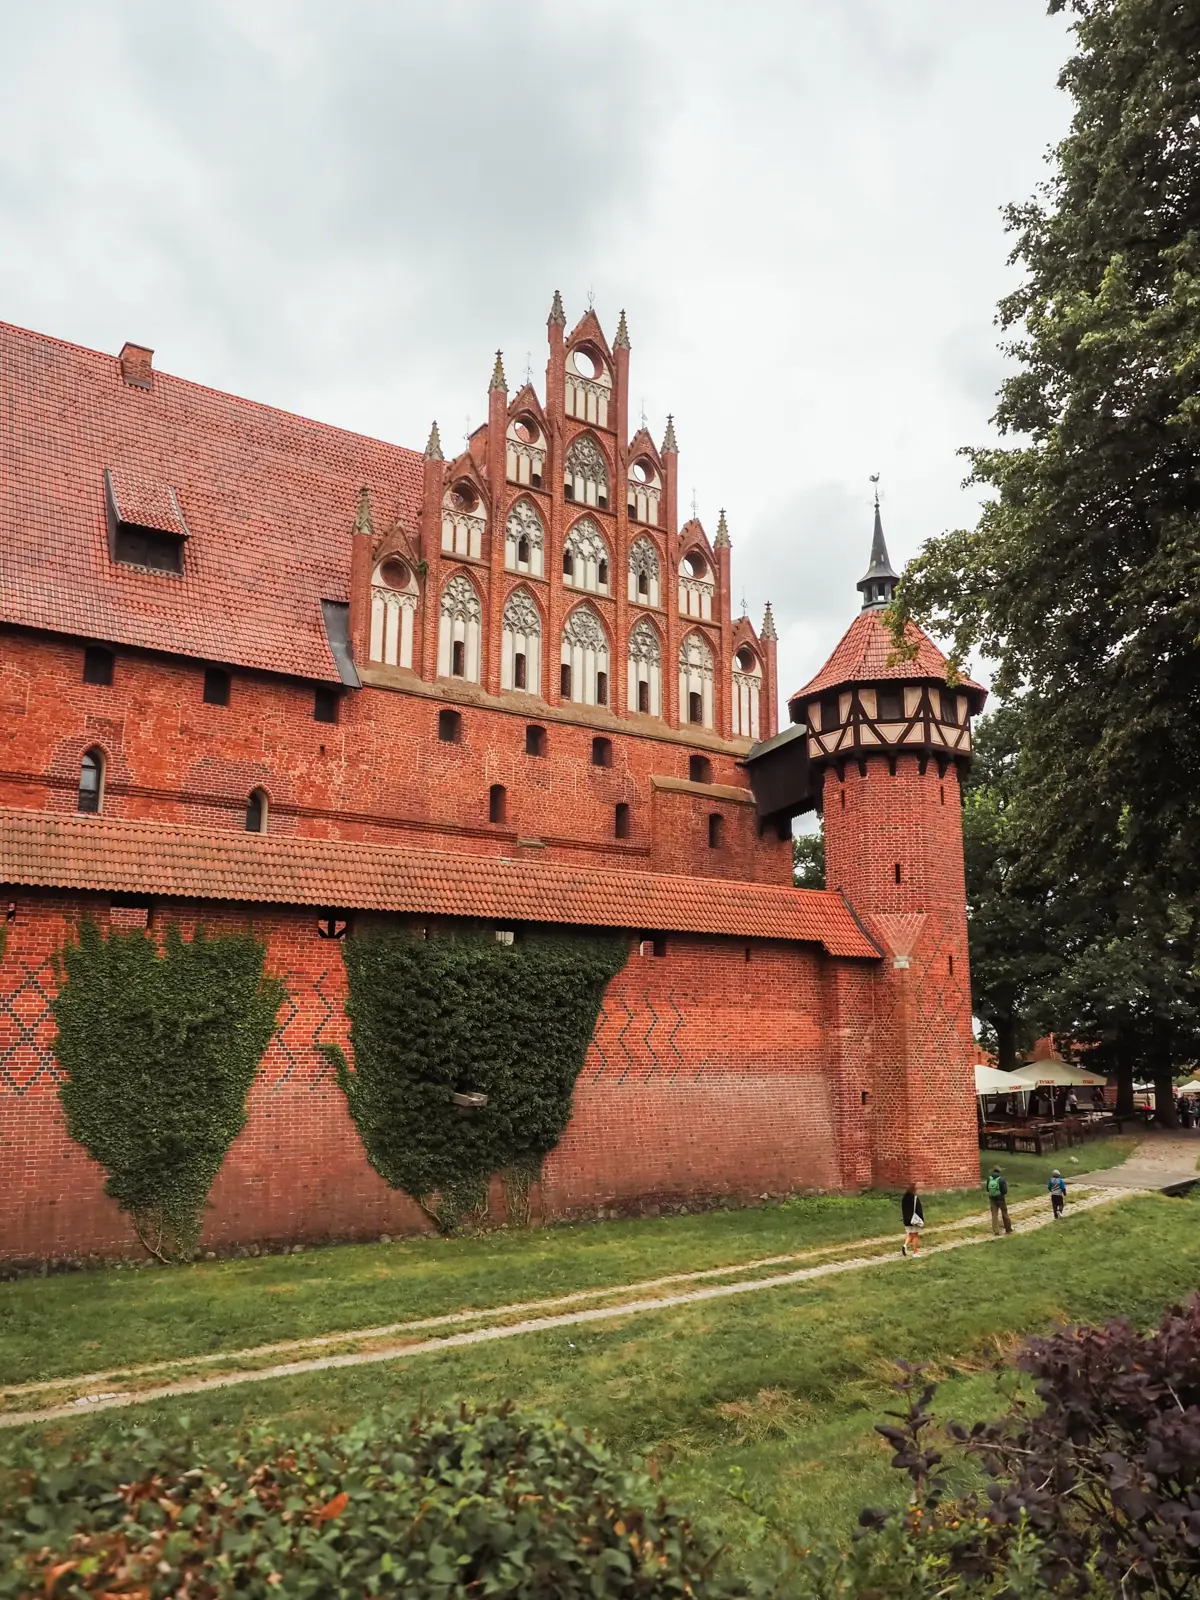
(997,1193)
(912,1213)
(1057,1186)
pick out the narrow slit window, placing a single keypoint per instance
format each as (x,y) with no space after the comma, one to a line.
(564,681)
(716,831)
(91,782)
(621,820)
(602,688)
(695,707)
(497,803)
(256,812)
(458,659)
(897,872)
(535,741)
(601,752)
(449,727)
(643,696)
(518,669)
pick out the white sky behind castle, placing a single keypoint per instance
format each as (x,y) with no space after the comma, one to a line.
(343,210)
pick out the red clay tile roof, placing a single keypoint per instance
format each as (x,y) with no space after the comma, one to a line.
(49,850)
(865,656)
(269,499)
(143,501)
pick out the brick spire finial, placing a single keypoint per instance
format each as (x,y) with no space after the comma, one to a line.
(621,339)
(557,314)
(767,631)
(363,522)
(669,437)
(722,539)
(499,381)
(433,450)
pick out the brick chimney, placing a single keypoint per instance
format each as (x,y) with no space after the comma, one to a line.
(137,365)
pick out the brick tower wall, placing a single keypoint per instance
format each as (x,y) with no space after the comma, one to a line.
(920,1116)
(711,1073)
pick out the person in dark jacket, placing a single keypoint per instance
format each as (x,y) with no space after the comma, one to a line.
(1057,1186)
(997,1192)
(912,1214)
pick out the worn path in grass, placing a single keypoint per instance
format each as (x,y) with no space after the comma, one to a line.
(968,1231)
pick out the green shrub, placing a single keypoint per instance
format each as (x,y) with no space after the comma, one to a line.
(482,1502)
(432,1017)
(159,1052)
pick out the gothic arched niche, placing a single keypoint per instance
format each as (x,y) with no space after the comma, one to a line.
(585,558)
(525,540)
(583,659)
(645,669)
(459,629)
(696,681)
(521,643)
(644,572)
(585,473)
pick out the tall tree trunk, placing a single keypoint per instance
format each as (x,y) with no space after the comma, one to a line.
(1006,1043)
(1124,1080)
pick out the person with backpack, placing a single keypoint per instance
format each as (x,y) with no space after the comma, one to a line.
(997,1193)
(912,1214)
(1057,1186)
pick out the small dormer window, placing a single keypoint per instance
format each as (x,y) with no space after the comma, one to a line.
(146,527)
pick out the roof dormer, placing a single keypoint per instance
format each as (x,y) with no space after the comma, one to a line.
(146,527)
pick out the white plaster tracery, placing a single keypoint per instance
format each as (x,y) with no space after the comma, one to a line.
(462,523)
(696,678)
(521,643)
(644,570)
(696,586)
(525,452)
(645,668)
(585,474)
(459,625)
(586,555)
(747,690)
(584,658)
(645,492)
(394,599)
(525,540)
(587,398)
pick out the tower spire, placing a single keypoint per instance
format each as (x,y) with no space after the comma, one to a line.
(499,381)
(363,522)
(722,538)
(669,437)
(433,450)
(557,314)
(878,583)
(621,342)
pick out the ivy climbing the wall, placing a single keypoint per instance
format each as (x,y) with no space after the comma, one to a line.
(159,1052)
(431,1018)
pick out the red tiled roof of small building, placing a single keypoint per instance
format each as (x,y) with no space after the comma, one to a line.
(109,855)
(268,498)
(867,654)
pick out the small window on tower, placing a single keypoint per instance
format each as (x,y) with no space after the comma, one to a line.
(450,727)
(695,707)
(518,669)
(497,803)
(256,812)
(458,659)
(716,831)
(564,680)
(897,872)
(216,686)
(699,769)
(643,696)
(949,707)
(601,752)
(535,741)
(91,781)
(830,717)
(602,688)
(890,704)
(325,704)
(97,665)
(621,821)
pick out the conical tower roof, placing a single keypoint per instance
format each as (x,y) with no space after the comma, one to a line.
(878,582)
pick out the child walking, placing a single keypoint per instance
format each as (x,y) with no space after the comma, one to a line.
(1057,1186)
(912,1213)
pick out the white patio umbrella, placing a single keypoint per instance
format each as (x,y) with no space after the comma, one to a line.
(1060,1075)
(1189,1088)
(990,1080)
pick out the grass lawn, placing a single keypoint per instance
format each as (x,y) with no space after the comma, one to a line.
(75,1323)
(758,1408)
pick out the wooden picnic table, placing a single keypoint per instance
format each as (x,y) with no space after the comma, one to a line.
(1037,1136)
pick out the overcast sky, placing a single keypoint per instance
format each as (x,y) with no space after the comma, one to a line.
(343,210)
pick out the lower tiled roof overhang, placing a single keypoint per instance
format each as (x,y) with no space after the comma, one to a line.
(40,849)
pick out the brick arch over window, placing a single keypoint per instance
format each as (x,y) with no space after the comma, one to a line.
(645,669)
(459,630)
(521,643)
(584,658)
(525,540)
(696,681)
(645,572)
(585,558)
(585,474)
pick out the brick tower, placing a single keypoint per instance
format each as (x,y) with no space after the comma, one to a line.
(887,741)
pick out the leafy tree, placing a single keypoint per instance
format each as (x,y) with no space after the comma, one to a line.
(1081,577)
(808,860)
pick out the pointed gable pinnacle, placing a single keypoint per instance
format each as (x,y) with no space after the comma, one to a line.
(499,381)
(721,542)
(878,583)
(557,314)
(669,437)
(363,522)
(433,450)
(621,338)
(767,631)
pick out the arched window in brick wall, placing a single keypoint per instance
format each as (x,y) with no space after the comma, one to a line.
(644,572)
(696,586)
(521,644)
(462,521)
(584,664)
(696,681)
(524,540)
(585,558)
(393,612)
(588,385)
(585,474)
(747,686)
(645,669)
(256,812)
(458,630)
(525,450)
(645,491)
(91,781)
